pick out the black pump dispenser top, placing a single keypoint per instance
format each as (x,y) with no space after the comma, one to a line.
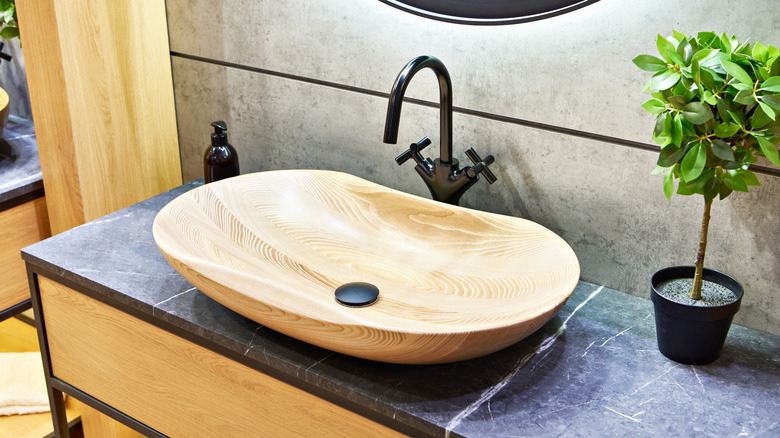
(220,160)
(219,138)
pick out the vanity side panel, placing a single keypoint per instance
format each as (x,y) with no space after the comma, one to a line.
(175,386)
(20,226)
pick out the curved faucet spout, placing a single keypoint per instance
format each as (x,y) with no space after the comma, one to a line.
(445,102)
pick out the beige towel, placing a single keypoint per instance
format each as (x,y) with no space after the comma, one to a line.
(22,384)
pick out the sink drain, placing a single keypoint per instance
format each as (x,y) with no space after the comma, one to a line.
(357,294)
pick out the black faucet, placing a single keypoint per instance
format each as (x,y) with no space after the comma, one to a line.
(444,179)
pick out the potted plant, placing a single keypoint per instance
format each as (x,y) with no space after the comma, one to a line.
(717,107)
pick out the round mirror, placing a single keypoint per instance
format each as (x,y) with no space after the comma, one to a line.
(488,11)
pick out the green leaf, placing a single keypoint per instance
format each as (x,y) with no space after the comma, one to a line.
(722,150)
(736,72)
(693,163)
(685,50)
(664,47)
(735,183)
(650,63)
(737,117)
(695,71)
(711,189)
(659,125)
(685,189)
(679,36)
(708,39)
(725,44)
(772,100)
(697,113)
(703,55)
(749,177)
(769,150)
(9,33)
(676,58)
(726,130)
(678,102)
(664,137)
(760,52)
(772,52)
(670,155)
(772,84)
(654,106)
(767,110)
(709,98)
(724,191)
(669,184)
(745,97)
(677,130)
(774,65)
(710,79)
(759,119)
(664,80)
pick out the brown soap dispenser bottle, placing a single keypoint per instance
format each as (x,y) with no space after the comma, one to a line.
(221,159)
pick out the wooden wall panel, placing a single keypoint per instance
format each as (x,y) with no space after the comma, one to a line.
(102,94)
(46,82)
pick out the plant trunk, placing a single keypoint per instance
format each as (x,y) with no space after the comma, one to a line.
(697,276)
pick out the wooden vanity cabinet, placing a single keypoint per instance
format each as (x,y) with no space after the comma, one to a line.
(160,384)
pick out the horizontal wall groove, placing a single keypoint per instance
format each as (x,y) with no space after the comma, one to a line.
(476,113)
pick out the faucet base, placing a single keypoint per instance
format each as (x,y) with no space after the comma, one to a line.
(444,180)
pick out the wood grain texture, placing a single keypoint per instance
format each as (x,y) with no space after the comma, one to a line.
(20,226)
(454,283)
(97,425)
(102,96)
(49,101)
(175,386)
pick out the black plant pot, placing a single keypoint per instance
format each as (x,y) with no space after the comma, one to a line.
(688,334)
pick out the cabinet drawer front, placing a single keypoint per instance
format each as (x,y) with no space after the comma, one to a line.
(176,386)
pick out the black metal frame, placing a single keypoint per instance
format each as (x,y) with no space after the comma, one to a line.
(488,12)
(15,310)
(57,387)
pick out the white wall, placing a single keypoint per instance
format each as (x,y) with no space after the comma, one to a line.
(572,72)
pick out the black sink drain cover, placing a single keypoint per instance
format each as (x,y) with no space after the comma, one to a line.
(357,294)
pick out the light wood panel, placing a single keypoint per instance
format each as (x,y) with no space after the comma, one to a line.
(454,283)
(175,386)
(20,226)
(97,425)
(49,101)
(102,97)
(17,336)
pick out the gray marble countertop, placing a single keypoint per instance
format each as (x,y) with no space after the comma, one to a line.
(593,370)
(20,168)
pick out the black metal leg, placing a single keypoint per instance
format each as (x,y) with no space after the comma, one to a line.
(56,399)
(58,417)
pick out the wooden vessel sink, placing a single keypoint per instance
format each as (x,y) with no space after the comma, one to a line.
(454,283)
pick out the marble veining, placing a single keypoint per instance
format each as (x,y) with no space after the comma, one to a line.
(593,370)
(544,346)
